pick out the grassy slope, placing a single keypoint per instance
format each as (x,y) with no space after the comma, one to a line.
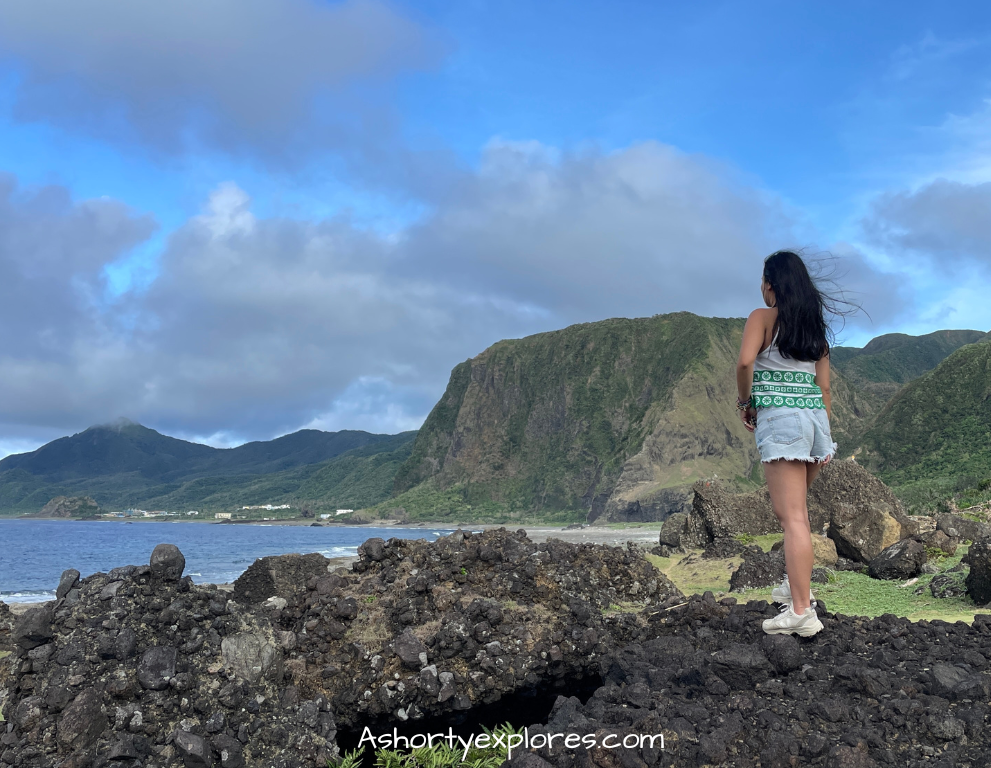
(358,478)
(938,428)
(870,376)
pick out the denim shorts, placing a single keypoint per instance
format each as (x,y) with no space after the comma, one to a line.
(796,434)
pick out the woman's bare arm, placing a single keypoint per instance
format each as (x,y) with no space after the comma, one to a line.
(753,339)
(822,379)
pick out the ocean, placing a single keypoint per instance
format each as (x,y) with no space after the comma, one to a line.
(33,553)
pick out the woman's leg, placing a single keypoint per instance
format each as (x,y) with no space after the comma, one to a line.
(787,485)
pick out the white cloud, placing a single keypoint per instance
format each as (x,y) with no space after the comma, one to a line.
(256,326)
(272,76)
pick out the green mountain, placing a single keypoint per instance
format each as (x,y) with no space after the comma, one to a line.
(128,465)
(870,376)
(889,361)
(617,419)
(937,427)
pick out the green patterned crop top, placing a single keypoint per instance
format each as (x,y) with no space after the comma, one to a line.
(785,389)
(782,382)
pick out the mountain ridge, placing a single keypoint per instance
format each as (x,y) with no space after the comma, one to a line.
(124,464)
(620,417)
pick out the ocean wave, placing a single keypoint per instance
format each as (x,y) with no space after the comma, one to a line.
(339,552)
(27,596)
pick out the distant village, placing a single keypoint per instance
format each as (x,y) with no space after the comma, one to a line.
(144,513)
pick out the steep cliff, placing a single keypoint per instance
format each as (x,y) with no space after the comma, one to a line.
(617,417)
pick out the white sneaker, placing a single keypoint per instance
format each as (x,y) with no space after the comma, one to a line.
(782,592)
(790,623)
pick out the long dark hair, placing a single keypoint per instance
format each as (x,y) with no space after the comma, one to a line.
(803,333)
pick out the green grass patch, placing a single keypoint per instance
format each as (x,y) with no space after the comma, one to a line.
(848,592)
(693,575)
(765,541)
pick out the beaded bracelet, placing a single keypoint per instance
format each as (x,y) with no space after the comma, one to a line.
(742,405)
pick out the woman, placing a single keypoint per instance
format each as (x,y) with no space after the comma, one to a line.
(783,381)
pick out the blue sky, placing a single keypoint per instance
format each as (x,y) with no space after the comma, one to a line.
(234,220)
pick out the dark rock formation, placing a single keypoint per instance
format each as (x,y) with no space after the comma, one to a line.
(115,674)
(861,513)
(946,585)
(282,576)
(863,692)
(68,581)
(956,526)
(978,557)
(34,627)
(721,514)
(902,560)
(673,529)
(719,549)
(167,562)
(759,569)
(938,539)
(421,629)
(142,668)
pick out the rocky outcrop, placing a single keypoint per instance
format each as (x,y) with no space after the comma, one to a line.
(978,557)
(902,560)
(846,503)
(758,570)
(67,507)
(863,514)
(863,692)
(721,514)
(144,668)
(281,576)
(423,629)
(958,527)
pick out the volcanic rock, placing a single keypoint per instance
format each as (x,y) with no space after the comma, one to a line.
(34,627)
(253,657)
(902,560)
(280,576)
(69,580)
(946,585)
(978,557)
(956,526)
(82,722)
(167,562)
(157,667)
(759,569)
(673,529)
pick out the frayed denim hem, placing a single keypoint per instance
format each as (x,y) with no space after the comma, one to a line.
(806,459)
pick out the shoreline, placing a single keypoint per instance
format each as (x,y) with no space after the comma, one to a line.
(616,537)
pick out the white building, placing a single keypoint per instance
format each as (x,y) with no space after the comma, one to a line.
(223,515)
(344,511)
